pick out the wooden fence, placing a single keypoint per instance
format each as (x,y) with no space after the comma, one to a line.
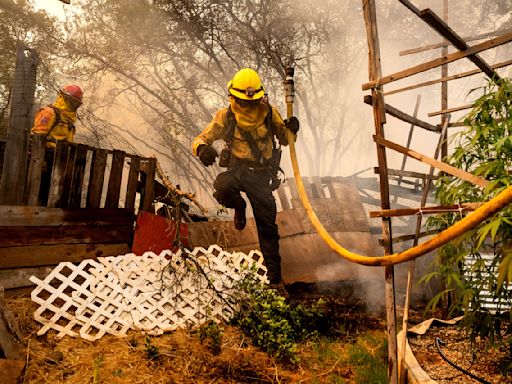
(88,177)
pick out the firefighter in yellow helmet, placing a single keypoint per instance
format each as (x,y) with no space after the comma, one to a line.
(249,126)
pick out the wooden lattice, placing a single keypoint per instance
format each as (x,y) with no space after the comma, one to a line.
(152,293)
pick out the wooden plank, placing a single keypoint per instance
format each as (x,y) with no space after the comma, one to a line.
(13,215)
(435,163)
(283,198)
(40,255)
(464,207)
(443,44)
(35,169)
(318,186)
(19,277)
(449,110)
(379,117)
(398,172)
(65,234)
(11,342)
(68,176)
(307,186)
(330,188)
(446,78)
(149,188)
(114,182)
(444,30)
(99,162)
(75,198)
(133,182)
(491,43)
(58,174)
(401,239)
(293,188)
(395,112)
(14,170)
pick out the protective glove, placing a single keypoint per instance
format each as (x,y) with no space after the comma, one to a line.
(292,124)
(207,154)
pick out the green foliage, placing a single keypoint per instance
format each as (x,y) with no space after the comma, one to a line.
(152,352)
(273,324)
(211,333)
(369,358)
(485,149)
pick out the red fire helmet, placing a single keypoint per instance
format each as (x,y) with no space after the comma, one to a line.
(73,91)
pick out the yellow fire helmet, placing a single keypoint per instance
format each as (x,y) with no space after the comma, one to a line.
(246,85)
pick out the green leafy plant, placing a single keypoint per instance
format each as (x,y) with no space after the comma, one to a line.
(484,148)
(273,324)
(152,351)
(211,333)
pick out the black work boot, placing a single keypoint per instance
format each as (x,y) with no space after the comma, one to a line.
(280,289)
(240,218)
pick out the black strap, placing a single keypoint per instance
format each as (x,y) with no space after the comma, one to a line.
(58,120)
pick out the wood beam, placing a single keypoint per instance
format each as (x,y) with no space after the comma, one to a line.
(395,112)
(435,163)
(448,110)
(447,78)
(401,239)
(443,44)
(491,43)
(379,118)
(431,18)
(399,172)
(464,207)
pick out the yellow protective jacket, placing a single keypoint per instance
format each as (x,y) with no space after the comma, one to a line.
(61,127)
(249,119)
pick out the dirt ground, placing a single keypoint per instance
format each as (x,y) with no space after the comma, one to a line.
(478,360)
(182,357)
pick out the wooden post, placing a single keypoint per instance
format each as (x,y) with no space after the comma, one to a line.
(374,72)
(99,161)
(444,85)
(149,189)
(114,181)
(35,169)
(58,173)
(12,183)
(75,198)
(133,182)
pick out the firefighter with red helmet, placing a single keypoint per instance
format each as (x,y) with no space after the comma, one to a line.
(57,123)
(57,120)
(249,127)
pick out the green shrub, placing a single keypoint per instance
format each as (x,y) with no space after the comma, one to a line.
(273,324)
(484,148)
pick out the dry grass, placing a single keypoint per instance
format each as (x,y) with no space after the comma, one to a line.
(181,358)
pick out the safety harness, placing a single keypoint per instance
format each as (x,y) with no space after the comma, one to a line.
(57,121)
(272,165)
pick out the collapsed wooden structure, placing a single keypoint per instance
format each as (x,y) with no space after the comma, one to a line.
(376,83)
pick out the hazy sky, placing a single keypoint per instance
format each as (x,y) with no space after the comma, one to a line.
(54,7)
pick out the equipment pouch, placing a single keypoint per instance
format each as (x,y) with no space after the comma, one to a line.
(225,157)
(275,161)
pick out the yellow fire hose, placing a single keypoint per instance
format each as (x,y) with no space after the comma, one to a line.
(462,226)
(467,223)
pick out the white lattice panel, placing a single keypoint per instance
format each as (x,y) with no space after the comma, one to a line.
(152,293)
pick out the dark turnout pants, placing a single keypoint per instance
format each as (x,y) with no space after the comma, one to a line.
(256,184)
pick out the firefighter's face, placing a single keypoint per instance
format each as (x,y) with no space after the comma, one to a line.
(246,103)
